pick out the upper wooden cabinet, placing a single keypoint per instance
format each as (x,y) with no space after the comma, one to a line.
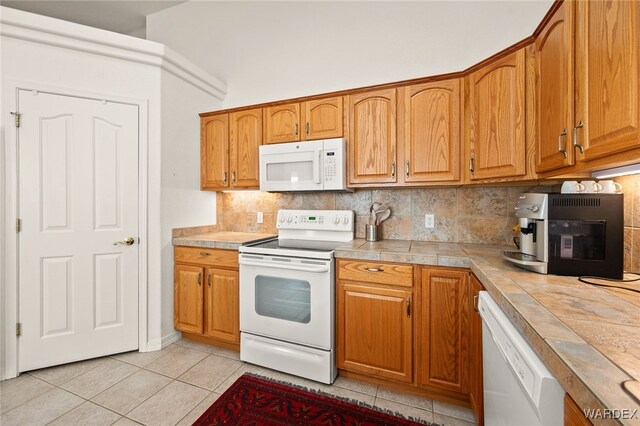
(554,87)
(214,152)
(282,123)
(320,118)
(245,136)
(323,118)
(588,59)
(444,329)
(372,137)
(496,119)
(607,77)
(429,131)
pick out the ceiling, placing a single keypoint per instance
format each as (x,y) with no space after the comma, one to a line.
(125,17)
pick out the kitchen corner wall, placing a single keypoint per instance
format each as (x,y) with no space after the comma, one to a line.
(631,190)
(465,215)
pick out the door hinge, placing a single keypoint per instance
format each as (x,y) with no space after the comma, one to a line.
(17,118)
(18,329)
(18,225)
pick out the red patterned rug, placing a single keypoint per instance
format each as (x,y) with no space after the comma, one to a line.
(257,401)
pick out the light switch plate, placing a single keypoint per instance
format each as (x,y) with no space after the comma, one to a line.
(260,217)
(429,221)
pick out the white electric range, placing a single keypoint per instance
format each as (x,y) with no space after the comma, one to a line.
(287,294)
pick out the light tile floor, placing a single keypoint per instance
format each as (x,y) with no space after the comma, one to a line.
(173,386)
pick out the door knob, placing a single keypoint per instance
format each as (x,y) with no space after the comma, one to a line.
(127,241)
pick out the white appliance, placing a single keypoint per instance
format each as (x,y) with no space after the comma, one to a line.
(304,166)
(518,387)
(287,294)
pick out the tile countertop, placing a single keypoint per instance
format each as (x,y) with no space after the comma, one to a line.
(221,240)
(589,337)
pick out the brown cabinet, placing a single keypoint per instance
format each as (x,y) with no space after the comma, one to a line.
(314,119)
(495,122)
(588,87)
(573,415)
(374,324)
(607,77)
(554,87)
(372,137)
(282,123)
(214,152)
(443,347)
(245,136)
(476,394)
(229,150)
(323,118)
(429,131)
(206,292)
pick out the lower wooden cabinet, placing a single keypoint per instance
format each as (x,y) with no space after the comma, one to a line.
(408,326)
(374,330)
(475,354)
(206,292)
(444,329)
(573,415)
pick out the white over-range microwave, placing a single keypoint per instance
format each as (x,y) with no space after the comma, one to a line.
(304,166)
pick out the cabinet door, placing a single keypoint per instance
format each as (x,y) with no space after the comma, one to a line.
(444,334)
(187,298)
(374,331)
(323,118)
(214,152)
(554,84)
(245,136)
(282,123)
(607,74)
(430,115)
(496,119)
(372,137)
(475,354)
(573,415)
(221,314)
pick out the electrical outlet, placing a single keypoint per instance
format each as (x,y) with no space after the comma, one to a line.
(260,217)
(429,221)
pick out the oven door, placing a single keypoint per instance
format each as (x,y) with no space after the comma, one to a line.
(287,298)
(293,166)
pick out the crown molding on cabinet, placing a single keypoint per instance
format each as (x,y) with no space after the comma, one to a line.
(35,28)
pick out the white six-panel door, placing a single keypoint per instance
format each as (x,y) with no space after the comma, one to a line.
(78,194)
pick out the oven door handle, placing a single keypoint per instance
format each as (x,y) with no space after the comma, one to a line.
(318,269)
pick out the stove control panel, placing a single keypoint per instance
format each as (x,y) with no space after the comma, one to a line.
(320,220)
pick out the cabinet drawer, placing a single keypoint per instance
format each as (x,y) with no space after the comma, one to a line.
(208,257)
(376,272)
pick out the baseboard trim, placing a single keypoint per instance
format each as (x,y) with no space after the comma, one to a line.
(170,338)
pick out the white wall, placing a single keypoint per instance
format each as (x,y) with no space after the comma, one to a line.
(183,204)
(275,50)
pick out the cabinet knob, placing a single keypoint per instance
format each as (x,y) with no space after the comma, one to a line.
(575,137)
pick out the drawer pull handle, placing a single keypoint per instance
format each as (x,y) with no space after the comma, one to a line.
(366,268)
(204,253)
(475,303)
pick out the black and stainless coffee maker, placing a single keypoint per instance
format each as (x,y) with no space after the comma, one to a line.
(570,234)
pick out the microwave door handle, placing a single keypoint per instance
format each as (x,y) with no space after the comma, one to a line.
(318,269)
(316,169)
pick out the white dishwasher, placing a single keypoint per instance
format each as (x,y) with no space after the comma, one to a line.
(519,390)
